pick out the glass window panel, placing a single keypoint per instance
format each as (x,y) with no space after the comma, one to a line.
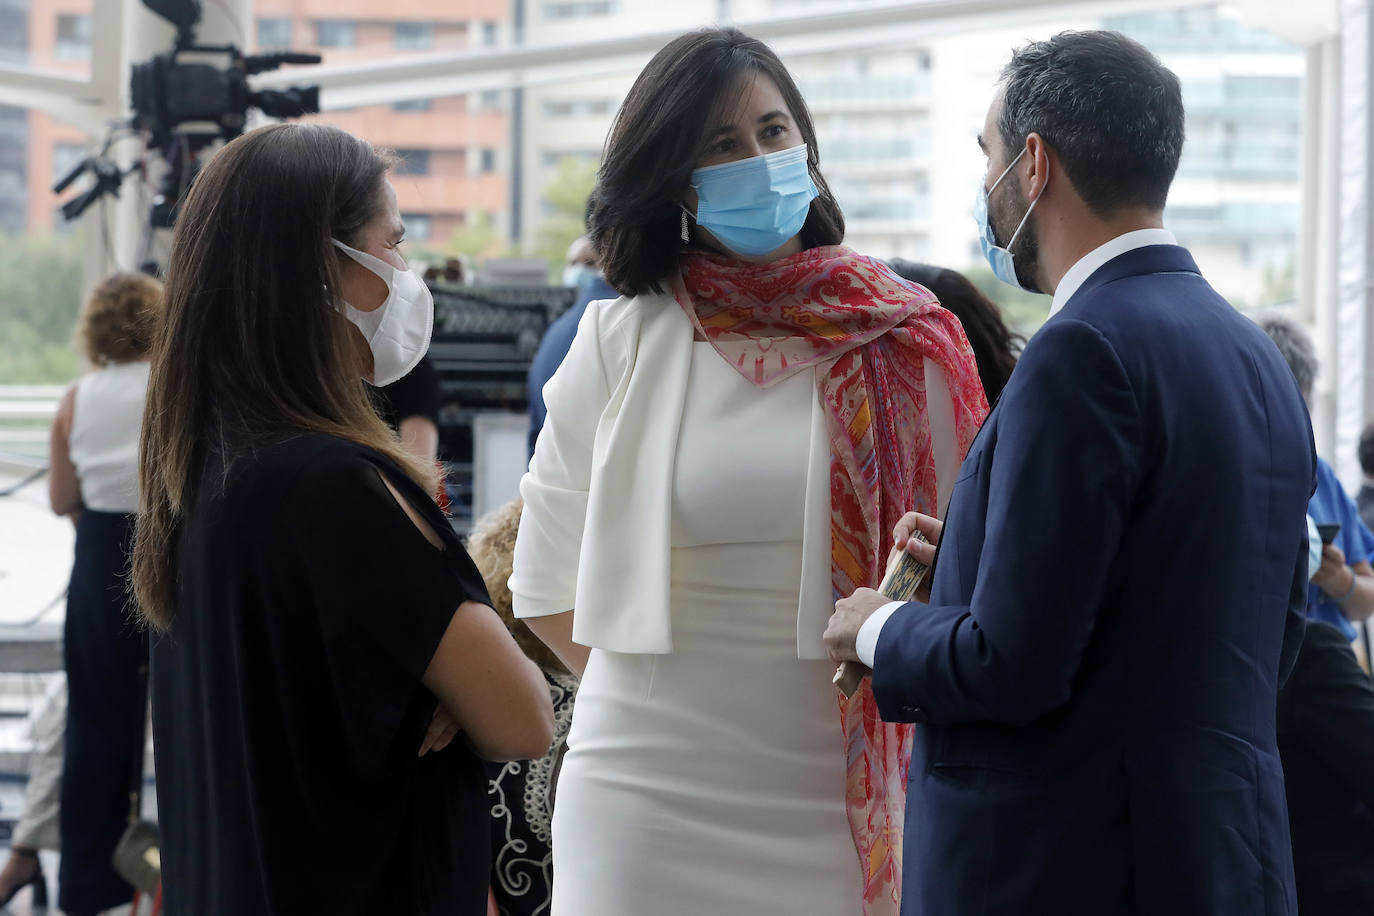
(580,9)
(336,33)
(413,162)
(419,226)
(274,33)
(414,35)
(73,37)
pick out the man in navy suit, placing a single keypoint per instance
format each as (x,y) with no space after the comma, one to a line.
(1122,571)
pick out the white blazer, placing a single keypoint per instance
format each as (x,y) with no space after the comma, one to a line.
(595,534)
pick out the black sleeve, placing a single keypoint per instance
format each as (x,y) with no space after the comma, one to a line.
(379,593)
(415,394)
(1332,705)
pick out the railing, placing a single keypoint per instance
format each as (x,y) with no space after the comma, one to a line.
(26,413)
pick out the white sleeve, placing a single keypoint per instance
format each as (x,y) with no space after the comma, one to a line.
(940,411)
(866,643)
(549,543)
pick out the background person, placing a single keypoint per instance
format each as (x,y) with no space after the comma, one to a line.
(1326,739)
(410,405)
(522,792)
(583,273)
(321,632)
(1365,498)
(1341,593)
(685,524)
(94,479)
(995,346)
(1098,666)
(37,826)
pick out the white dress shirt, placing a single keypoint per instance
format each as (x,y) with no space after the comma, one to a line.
(866,644)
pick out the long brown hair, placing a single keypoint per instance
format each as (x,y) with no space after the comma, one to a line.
(635,218)
(252,347)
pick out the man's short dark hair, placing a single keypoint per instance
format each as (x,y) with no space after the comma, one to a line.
(1110,110)
(1367,450)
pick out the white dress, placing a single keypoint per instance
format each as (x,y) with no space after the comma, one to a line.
(711,780)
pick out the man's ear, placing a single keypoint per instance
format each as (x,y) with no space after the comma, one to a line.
(1035,167)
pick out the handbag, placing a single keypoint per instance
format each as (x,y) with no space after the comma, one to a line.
(137,856)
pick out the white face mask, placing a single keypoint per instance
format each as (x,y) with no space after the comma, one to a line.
(397,331)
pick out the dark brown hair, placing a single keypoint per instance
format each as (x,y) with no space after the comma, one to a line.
(1107,107)
(118,319)
(635,221)
(995,347)
(252,347)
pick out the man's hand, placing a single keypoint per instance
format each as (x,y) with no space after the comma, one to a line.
(849,617)
(923,551)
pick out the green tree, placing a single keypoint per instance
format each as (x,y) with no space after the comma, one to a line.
(476,241)
(1280,283)
(565,205)
(1023,312)
(40,296)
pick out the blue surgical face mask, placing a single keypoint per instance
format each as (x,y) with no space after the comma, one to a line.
(999,258)
(575,275)
(754,206)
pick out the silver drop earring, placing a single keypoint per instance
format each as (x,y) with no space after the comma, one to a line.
(685,238)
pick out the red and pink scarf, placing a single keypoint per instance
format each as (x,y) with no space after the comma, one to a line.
(868,333)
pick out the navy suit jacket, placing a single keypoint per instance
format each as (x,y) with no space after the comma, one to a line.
(1118,595)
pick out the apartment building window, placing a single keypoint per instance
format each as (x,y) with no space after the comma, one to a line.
(414,36)
(577,108)
(73,37)
(14,33)
(580,9)
(419,226)
(488,161)
(413,162)
(491,33)
(336,33)
(274,33)
(490,100)
(412,105)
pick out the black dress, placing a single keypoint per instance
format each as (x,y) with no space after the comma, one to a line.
(415,394)
(287,703)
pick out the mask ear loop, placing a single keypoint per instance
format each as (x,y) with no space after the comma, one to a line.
(1021,224)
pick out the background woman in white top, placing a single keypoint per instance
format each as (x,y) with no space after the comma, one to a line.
(94,479)
(726,447)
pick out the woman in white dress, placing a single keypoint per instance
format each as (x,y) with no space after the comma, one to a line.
(726,446)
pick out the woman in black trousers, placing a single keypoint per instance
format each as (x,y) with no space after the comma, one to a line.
(94,457)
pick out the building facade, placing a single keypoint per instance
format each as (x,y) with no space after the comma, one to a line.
(896,125)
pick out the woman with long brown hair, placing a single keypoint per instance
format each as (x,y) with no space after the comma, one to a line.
(728,446)
(320,631)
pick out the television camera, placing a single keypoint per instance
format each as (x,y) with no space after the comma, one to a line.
(186,100)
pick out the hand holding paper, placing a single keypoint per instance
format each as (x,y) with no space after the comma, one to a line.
(902,582)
